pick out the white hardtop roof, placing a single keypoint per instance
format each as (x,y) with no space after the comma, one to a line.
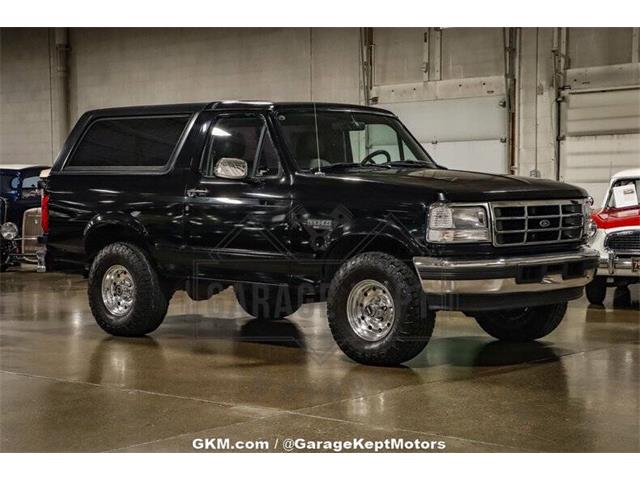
(20,166)
(630,173)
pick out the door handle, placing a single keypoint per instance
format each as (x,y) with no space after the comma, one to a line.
(196,192)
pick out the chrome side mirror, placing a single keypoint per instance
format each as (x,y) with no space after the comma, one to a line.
(231,168)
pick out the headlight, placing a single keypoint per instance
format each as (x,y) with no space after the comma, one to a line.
(450,223)
(590,229)
(589,225)
(9,231)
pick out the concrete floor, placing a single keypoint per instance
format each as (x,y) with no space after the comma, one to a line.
(210,371)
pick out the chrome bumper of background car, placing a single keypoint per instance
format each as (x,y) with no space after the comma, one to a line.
(618,266)
(533,273)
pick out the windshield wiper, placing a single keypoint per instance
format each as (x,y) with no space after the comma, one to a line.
(348,165)
(409,163)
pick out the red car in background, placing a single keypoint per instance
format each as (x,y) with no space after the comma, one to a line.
(618,236)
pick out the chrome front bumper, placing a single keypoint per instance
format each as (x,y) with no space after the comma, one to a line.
(613,266)
(508,275)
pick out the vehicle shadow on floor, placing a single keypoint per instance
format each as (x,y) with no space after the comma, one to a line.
(483,352)
(278,332)
(464,351)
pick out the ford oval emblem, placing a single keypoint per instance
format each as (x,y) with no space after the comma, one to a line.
(544,223)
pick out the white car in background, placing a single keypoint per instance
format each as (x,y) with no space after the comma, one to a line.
(618,236)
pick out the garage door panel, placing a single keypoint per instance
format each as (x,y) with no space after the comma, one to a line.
(589,161)
(453,120)
(583,153)
(592,126)
(602,137)
(489,156)
(603,99)
(602,112)
(460,133)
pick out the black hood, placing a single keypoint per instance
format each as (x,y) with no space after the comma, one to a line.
(463,186)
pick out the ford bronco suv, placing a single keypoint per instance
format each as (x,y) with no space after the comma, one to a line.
(299,202)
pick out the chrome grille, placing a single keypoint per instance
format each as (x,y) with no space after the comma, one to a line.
(31,230)
(624,242)
(537,222)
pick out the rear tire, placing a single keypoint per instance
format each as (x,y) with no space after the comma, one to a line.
(267,302)
(596,290)
(375,310)
(122,272)
(523,324)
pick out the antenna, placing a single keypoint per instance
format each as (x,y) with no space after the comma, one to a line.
(315,118)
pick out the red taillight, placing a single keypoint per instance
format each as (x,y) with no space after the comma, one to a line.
(44,219)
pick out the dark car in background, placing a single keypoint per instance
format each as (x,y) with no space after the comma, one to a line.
(19,213)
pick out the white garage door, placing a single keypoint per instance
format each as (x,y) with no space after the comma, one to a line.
(460,133)
(601,137)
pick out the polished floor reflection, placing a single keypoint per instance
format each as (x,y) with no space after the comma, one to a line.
(210,371)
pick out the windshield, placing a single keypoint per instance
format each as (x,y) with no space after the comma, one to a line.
(330,139)
(624,193)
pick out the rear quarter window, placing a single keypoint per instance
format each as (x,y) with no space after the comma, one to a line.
(134,142)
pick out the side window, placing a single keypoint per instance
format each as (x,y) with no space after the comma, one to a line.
(246,138)
(268,162)
(30,183)
(611,202)
(146,142)
(29,187)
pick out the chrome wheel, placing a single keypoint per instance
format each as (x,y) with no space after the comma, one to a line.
(118,290)
(370,310)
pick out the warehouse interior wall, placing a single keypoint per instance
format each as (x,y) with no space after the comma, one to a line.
(135,66)
(25,97)
(490,99)
(146,66)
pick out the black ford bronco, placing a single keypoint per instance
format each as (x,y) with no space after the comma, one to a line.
(298,202)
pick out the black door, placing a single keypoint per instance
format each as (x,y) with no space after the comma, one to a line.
(237,229)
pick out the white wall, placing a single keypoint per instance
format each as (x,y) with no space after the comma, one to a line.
(115,67)
(112,67)
(25,102)
(536,120)
(457,66)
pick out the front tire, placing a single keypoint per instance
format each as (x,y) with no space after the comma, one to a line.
(125,294)
(596,290)
(522,324)
(375,310)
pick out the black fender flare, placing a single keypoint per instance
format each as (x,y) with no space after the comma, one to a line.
(130,228)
